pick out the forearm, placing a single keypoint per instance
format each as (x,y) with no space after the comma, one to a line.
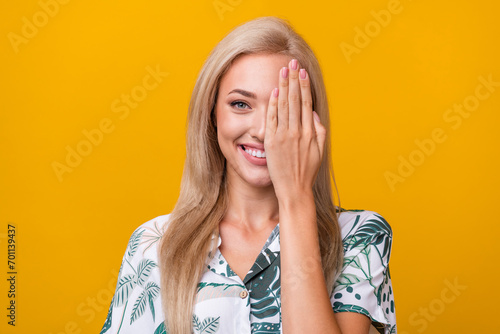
(305,304)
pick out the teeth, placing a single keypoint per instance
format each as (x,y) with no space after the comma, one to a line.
(256,153)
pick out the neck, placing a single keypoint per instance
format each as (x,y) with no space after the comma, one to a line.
(249,207)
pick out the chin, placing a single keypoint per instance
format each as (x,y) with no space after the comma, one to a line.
(260,183)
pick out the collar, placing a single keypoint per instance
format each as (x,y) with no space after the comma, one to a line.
(269,253)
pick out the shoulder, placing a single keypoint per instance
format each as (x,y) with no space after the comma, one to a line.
(157,224)
(364,283)
(363,223)
(145,237)
(361,230)
(137,294)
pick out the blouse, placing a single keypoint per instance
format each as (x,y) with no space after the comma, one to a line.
(225,304)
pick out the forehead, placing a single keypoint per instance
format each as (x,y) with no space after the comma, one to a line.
(254,72)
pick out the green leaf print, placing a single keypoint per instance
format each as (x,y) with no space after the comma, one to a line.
(151,306)
(375,231)
(144,270)
(225,286)
(161,329)
(150,292)
(266,312)
(134,242)
(345,280)
(260,286)
(229,271)
(109,317)
(153,291)
(209,325)
(348,279)
(129,282)
(352,261)
(196,323)
(263,303)
(125,287)
(356,221)
(265,290)
(139,307)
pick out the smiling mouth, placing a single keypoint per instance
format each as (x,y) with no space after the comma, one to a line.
(254,153)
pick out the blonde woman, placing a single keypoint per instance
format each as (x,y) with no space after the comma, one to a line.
(255,243)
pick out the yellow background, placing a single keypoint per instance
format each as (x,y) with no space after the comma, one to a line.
(396,89)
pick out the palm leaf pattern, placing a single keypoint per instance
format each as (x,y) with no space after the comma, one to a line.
(134,242)
(365,277)
(125,287)
(265,291)
(109,317)
(144,270)
(139,307)
(367,248)
(153,290)
(375,231)
(161,329)
(130,281)
(209,325)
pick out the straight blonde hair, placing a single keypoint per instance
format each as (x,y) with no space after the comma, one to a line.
(186,245)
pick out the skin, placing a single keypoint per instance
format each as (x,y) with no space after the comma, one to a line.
(260,196)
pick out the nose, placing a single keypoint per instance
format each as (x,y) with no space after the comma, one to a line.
(258,126)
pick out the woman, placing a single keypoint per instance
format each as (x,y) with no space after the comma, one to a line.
(255,243)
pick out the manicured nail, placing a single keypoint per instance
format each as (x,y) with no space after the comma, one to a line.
(302,73)
(284,72)
(275,92)
(294,64)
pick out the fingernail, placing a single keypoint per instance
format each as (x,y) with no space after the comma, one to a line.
(284,72)
(302,73)
(275,92)
(294,64)
(316,116)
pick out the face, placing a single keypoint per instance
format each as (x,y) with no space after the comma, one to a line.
(241,110)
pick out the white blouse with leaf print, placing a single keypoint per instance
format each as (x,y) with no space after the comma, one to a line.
(225,304)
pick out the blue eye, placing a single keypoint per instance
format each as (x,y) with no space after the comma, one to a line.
(238,102)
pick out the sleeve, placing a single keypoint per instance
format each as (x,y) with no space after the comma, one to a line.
(364,285)
(132,308)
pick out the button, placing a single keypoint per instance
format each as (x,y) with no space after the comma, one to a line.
(243,294)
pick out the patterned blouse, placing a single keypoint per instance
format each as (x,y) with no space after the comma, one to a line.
(227,305)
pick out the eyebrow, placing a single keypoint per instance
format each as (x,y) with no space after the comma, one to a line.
(244,93)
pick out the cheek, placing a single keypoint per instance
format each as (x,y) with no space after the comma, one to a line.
(229,128)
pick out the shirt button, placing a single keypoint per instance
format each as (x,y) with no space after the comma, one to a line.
(243,294)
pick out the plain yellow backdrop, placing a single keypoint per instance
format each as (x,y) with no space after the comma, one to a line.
(414,89)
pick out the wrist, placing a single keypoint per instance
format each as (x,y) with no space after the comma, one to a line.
(295,201)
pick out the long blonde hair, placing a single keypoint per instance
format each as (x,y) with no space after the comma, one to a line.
(187,243)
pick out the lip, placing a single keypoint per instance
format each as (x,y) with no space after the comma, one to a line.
(251,158)
(259,147)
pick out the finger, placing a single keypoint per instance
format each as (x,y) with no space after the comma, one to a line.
(294,96)
(272,114)
(305,90)
(283,99)
(320,133)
